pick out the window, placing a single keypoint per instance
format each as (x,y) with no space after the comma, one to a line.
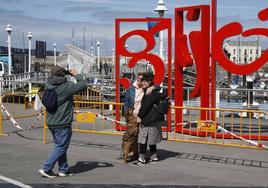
(250,51)
(233,59)
(234,51)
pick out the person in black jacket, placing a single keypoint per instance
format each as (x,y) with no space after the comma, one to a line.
(150,125)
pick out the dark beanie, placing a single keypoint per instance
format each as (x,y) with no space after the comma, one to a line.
(57,71)
(149,77)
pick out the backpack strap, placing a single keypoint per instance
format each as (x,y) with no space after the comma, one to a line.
(62,102)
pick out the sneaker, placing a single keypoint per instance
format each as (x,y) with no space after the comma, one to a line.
(154,158)
(48,174)
(65,174)
(139,162)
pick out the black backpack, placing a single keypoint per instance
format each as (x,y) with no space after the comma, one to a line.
(164,105)
(157,112)
(49,100)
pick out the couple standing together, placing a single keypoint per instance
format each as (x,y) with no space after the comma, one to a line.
(142,96)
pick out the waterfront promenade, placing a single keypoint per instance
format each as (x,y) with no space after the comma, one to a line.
(94,160)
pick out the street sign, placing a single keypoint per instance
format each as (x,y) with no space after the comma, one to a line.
(206,125)
(86,117)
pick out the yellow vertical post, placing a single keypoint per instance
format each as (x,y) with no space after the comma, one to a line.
(250,124)
(259,126)
(206,119)
(44,128)
(25,101)
(94,126)
(175,125)
(102,113)
(215,111)
(241,127)
(120,108)
(190,121)
(232,127)
(223,125)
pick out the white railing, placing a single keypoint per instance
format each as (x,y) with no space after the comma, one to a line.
(17,81)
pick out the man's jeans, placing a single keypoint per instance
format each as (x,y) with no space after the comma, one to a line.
(62,138)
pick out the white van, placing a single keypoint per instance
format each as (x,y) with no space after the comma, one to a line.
(3,68)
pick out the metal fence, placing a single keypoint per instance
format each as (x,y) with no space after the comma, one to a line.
(232,127)
(95,117)
(17,112)
(249,131)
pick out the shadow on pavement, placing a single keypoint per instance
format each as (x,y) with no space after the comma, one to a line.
(84,166)
(91,144)
(165,154)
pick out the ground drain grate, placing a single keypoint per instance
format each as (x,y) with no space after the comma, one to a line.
(224,160)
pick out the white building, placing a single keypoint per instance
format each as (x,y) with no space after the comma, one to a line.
(242,52)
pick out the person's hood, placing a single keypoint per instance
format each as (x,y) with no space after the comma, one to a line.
(54,81)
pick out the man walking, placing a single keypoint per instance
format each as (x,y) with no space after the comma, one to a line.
(59,121)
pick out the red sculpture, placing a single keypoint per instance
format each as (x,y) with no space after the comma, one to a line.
(134,57)
(200,42)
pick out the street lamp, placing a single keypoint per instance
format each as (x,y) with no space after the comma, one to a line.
(126,47)
(30,36)
(113,51)
(161,10)
(113,60)
(55,54)
(9,29)
(98,49)
(91,50)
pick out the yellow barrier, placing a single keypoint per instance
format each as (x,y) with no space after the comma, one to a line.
(89,95)
(94,117)
(86,117)
(232,127)
(15,104)
(245,132)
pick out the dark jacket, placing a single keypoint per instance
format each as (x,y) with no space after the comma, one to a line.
(63,117)
(129,98)
(147,103)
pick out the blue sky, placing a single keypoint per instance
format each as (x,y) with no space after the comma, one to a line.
(53,20)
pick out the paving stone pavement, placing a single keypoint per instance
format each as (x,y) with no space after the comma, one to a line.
(94,160)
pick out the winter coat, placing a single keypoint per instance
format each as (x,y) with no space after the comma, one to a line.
(148,102)
(63,116)
(150,133)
